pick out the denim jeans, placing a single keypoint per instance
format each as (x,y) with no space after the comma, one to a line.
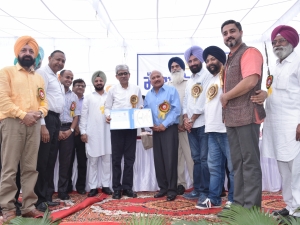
(218,151)
(198,140)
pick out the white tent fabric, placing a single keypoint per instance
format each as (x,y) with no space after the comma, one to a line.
(99,34)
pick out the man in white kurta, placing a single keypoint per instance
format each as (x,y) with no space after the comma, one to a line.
(177,67)
(281,131)
(95,132)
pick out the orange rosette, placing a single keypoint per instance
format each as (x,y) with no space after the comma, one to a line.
(134,100)
(164,108)
(72,109)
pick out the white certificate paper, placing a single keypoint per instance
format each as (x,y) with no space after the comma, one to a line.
(130,119)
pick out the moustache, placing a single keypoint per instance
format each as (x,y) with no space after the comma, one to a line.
(230,38)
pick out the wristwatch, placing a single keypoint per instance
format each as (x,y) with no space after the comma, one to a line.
(72,129)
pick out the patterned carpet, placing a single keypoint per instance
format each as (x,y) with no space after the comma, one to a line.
(102,209)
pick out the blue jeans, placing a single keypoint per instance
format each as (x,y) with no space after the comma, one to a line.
(198,140)
(218,151)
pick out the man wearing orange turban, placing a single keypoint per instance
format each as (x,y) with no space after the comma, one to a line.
(23,104)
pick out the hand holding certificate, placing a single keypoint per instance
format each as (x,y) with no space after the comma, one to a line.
(130,119)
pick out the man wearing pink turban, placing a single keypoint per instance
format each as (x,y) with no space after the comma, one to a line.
(281,132)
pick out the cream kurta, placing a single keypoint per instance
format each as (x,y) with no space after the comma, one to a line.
(283,111)
(92,123)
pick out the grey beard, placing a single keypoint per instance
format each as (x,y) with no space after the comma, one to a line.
(177,77)
(283,51)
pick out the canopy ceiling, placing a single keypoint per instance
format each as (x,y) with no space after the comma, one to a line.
(99,34)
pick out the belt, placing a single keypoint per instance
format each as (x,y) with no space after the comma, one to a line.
(66,124)
(53,113)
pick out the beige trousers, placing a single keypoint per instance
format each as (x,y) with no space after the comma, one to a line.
(19,144)
(184,157)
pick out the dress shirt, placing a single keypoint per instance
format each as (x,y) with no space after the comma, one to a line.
(19,92)
(165,93)
(54,90)
(65,116)
(196,106)
(119,97)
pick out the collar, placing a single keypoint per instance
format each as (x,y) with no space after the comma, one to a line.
(19,67)
(291,57)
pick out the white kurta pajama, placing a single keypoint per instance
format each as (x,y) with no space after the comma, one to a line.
(98,147)
(279,130)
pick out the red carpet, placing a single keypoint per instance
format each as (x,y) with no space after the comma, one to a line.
(103,210)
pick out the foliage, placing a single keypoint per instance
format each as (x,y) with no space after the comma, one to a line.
(201,222)
(146,220)
(46,220)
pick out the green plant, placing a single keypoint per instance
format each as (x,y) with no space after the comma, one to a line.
(46,220)
(146,219)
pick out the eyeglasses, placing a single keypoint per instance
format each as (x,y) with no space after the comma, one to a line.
(279,41)
(121,74)
(80,85)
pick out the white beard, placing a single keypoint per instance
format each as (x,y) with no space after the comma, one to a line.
(283,51)
(177,76)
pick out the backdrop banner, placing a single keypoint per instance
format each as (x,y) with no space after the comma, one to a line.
(156,61)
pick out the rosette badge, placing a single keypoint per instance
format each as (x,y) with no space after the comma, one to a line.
(134,100)
(164,108)
(196,91)
(41,94)
(212,91)
(72,109)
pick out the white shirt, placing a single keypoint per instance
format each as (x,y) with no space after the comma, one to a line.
(213,109)
(54,90)
(119,97)
(196,106)
(92,123)
(283,111)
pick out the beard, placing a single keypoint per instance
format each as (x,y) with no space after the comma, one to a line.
(98,88)
(196,68)
(214,68)
(177,76)
(26,61)
(233,42)
(283,51)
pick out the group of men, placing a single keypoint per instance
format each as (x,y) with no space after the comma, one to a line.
(212,118)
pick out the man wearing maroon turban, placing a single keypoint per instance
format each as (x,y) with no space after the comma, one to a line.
(281,137)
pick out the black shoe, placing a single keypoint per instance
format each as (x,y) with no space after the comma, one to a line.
(93,192)
(160,194)
(18,204)
(282,212)
(171,197)
(180,189)
(63,196)
(42,207)
(53,203)
(106,190)
(117,194)
(81,192)
(129,193)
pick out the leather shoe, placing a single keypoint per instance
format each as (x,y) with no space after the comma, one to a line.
(8,215)
(34,213)
(160,194)
(282,212)
(129,193)
(117,194)
(63,196)
(106,190)
(171,197)
(180,189)
(93,192)
(42,207)
(53,203)
(81,192)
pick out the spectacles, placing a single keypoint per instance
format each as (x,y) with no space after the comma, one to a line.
(80,85)
(121,74)
(279,41)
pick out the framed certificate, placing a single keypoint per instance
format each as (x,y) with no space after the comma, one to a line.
(130,118)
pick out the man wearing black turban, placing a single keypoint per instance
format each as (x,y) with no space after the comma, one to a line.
(218,146)
(177,67)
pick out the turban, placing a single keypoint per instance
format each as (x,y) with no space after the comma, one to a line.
(39,58)
(178,60)
(99,74)
(26,40)
(195,51)
(289,33)
(216,52)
